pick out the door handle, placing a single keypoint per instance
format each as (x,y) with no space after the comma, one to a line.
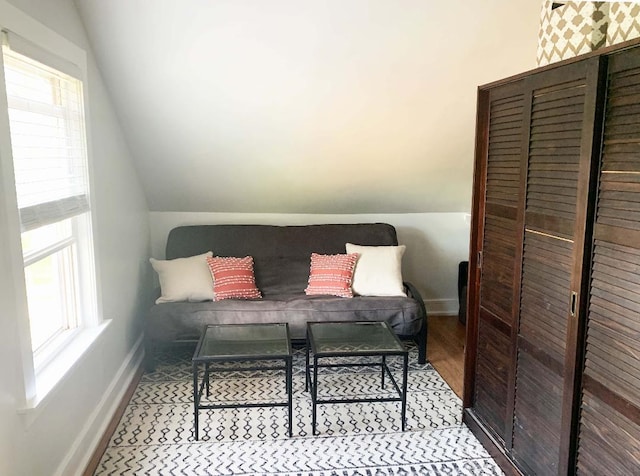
(574,303)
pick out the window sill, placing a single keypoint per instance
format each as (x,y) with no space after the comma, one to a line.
(57,371)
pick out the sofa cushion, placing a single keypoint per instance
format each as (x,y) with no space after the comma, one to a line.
(185,320)
(282,275)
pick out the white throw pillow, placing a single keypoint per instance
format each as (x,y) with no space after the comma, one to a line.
(378,270)
(184,279)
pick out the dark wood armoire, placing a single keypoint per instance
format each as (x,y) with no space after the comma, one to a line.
(552,361)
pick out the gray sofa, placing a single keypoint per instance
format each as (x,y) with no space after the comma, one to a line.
(281,262)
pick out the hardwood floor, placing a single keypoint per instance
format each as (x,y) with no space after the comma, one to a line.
(445,349)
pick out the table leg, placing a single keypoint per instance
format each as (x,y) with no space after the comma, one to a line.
(290,393)
(196,401)
(314,394)
(384,368)
(206,374)
(306,368)
(404,390)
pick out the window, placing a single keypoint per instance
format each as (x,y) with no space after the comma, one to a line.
(48,144)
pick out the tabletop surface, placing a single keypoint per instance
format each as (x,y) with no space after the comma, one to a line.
(353,338)
(235,341)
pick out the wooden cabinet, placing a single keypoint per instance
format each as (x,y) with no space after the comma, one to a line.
(552,363)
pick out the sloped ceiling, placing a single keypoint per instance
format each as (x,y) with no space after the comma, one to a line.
(305,106)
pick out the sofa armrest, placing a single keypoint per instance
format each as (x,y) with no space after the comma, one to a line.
(413,293)
(421,338)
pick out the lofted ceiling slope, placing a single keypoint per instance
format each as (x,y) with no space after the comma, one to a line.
(314,106)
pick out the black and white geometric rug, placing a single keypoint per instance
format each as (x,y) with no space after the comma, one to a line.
(155,435)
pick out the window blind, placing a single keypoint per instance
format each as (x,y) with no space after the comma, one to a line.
(47,140)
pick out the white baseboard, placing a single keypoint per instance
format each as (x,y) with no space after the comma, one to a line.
(80,453)
(442,307)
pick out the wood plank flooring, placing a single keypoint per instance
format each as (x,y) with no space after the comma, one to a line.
(445,349)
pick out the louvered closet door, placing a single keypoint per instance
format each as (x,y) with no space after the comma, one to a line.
(609,425)
(558,164)
(500,240)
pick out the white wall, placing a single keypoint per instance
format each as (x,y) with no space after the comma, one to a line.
(306,106)
(436,243)
(56,438)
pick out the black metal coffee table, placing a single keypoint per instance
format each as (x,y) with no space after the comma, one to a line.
(354,339)
(243,343)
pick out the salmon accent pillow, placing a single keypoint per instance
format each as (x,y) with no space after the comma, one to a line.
(233,278)
(331,274)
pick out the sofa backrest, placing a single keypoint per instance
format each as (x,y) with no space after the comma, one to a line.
(281,254)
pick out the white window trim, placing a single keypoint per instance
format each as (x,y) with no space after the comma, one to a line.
(53,375)
(39,385)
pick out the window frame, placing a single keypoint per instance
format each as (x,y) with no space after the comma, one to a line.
(42,375)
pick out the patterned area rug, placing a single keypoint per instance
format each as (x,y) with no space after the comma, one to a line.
(155,435)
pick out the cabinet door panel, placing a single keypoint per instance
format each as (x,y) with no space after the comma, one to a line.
(492,371)
(500,241)
(556,190)
(609,442)
(609,421)
(541,352)
(539,411)
(544,302)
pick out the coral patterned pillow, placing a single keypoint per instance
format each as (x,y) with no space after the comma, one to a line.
(331,274)
(233,278)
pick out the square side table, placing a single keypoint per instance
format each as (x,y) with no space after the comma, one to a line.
(354,339)
(223,343)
